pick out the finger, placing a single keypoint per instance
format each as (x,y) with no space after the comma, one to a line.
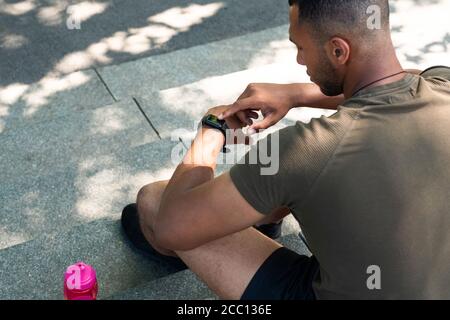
(252,114)
(263,124)
(244,104)
(249,116)
(241,115)
(249,122)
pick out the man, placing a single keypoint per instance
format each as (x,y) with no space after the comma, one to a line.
(369,185)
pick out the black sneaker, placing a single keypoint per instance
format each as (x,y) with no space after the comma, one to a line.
(271,230)
(132,229)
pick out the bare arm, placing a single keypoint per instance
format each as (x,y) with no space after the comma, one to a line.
(309,95)
(275,100)
(197,208)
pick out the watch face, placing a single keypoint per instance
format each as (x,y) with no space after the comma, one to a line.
(213,121)
(212,118)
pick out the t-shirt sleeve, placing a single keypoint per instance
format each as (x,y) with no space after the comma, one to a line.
(437,72)
(281,168)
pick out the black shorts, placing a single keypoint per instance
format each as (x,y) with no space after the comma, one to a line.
(285,275)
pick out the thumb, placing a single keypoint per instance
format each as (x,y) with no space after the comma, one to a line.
(263,124)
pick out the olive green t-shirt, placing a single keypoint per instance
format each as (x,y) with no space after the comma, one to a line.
(370,188)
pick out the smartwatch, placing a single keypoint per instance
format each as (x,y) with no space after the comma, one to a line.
(212,121)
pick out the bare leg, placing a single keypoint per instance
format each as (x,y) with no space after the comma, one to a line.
(226,265)
(276,216)
(148,201)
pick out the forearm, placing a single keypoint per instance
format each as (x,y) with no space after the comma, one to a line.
(197,167)
(309,95)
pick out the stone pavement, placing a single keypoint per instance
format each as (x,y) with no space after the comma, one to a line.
(89,116)
(36,41)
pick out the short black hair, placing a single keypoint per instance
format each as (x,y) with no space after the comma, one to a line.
(341,17)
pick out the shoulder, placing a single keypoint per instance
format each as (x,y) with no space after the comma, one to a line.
(287,162)
(437,71)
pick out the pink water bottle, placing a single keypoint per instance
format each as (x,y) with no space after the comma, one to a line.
(80,282)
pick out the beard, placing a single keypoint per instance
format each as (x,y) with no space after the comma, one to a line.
(327,78)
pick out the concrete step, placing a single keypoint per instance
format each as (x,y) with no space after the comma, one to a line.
(189,65)
(425,44)
(76,169)
(53,96)
(34,269)
(56,94)
(37,38)
(185,285)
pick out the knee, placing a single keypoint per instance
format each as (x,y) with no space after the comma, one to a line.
(143,194)
(148,201)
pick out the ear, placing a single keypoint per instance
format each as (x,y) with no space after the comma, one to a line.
(338,51)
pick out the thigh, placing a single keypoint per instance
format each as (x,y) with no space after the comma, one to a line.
(227,265)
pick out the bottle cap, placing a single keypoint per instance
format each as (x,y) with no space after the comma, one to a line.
(80,277)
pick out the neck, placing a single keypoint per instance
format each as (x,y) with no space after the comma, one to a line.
(365,71)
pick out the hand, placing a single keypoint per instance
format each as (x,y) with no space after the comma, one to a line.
(233,123)
(273,100)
